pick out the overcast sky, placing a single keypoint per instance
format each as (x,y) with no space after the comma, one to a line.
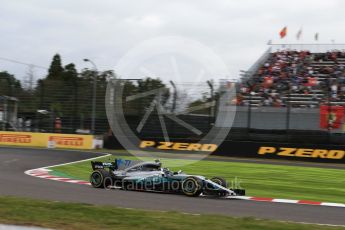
(32,31)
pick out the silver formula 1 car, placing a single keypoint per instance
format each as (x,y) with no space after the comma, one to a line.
(150,176)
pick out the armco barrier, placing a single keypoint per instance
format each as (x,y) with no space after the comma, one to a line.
(51,140)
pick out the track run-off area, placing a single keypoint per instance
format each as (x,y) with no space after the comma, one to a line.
(14,182)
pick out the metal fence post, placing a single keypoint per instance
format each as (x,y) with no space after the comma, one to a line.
(249,116)
(288,111)
(94,95)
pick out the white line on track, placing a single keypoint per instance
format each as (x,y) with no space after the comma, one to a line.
(74,162)
(43,172)
(29,172)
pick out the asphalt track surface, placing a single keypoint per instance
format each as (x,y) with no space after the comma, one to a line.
(14,161)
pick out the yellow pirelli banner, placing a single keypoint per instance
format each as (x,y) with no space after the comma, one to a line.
(51,140)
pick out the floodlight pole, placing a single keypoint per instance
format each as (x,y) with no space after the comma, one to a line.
(211,115)
(175,97)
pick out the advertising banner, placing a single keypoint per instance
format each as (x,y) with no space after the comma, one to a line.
(288,151)
(251,149)
(331,116)
(50,140)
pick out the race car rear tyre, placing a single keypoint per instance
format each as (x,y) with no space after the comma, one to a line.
(100,179)
(191,186)
(219,180)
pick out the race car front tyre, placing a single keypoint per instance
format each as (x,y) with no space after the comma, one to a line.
(100,179)
(191,186)
(219,180)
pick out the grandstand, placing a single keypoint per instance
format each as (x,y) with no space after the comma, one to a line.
(295,75)
(280,97)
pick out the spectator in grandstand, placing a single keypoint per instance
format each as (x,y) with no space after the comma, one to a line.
(297,72)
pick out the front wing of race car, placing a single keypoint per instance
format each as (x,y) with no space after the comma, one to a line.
(213,188)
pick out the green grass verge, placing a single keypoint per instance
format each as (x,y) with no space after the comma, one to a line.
(60,215)
(290,182)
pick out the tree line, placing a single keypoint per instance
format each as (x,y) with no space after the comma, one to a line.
(66,93)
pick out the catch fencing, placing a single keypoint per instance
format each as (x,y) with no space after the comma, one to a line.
(55,107)
(66,107)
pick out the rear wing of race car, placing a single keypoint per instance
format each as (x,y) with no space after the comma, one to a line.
(102,165)
(118,164)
